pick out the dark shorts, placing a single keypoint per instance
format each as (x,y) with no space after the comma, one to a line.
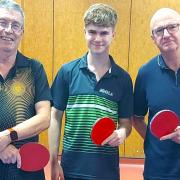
(11,172)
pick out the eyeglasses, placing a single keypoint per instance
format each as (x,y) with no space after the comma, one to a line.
(15,26)
(171,28)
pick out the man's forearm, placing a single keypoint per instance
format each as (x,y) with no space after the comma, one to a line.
(140,126)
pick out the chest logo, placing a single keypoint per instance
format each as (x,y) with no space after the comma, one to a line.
(104,91)
(18,88)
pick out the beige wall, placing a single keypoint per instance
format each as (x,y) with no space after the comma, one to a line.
(54,35)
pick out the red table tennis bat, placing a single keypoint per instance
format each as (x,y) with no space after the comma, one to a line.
(34,157)
(102,129)
(163,123)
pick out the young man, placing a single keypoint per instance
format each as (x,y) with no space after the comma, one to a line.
(157,88)
(24,95)
(90,88)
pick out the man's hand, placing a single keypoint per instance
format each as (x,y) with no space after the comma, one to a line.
(56,172)
(11,155)
(116,138)
(175,136)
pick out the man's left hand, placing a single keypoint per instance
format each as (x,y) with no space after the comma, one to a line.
(116,138)
(175,136)
(10,155)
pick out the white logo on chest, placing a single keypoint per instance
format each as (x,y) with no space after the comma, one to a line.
(104,91)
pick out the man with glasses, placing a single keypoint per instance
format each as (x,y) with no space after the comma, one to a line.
(24,96)
(157,87)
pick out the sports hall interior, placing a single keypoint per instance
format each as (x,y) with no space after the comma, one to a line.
(54,34)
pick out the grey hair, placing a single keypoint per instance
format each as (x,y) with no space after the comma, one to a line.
(101,15)
(163,12)
(12,5)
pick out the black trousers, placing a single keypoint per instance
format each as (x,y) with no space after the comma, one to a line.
(11,172)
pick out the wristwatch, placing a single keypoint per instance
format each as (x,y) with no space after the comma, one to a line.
(13,134)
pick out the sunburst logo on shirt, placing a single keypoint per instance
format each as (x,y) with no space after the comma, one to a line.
(18,88)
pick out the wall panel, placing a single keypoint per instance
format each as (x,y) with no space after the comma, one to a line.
(38,34)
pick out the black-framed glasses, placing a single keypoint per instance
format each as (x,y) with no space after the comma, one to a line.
(171,28)
(15,26)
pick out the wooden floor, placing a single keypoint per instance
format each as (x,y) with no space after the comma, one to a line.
(130,169)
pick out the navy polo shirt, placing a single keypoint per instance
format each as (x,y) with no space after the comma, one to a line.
(157,88)
(25,85)
(76,90)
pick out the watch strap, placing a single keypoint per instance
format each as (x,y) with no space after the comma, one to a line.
(4,133)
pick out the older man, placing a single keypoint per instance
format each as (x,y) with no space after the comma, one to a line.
(157,87)
(24,95)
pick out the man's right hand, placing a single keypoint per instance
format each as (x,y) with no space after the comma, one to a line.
(10,155)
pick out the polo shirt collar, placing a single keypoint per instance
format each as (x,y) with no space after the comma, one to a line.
(112,71)
(21,60)
(161,62)
(83,62)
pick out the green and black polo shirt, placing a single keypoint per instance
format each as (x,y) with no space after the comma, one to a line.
(76,90)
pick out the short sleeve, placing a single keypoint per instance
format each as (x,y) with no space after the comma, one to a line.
(60,90)
(126,103)
(42,89)
(140,101)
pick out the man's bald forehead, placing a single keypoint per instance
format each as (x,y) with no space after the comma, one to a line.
(163,13)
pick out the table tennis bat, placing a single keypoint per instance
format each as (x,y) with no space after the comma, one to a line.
(102,129)
(34,157)
(163,123)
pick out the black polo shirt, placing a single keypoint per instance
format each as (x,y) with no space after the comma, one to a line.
(25,85)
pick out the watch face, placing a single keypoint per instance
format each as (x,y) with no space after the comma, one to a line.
(13,135)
